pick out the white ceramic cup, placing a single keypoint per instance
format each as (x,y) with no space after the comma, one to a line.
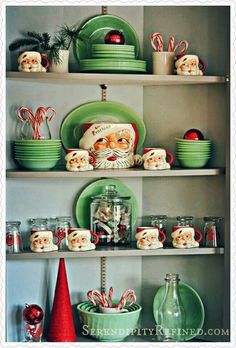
(112,310)
(163,63)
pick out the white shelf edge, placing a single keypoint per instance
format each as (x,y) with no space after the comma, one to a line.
(131,172)
(123,79)
(115,252)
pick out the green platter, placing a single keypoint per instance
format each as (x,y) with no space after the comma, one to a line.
(82,207)
(102,111)
(194,308)
(94,30)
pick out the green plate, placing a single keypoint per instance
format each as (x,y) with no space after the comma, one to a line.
(193,163)
(109,47)
(111,62)
(102,111)
(82,208)
(194,308)
(185,141)
(118,70)
(94,30)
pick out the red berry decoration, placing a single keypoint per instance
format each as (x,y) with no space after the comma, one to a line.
(193,134)
(115,37)
(32,314)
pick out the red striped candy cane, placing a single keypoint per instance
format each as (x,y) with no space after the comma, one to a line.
(95,293)
(183,43)
(128,295)
(110,297)
(171,44)
(159,42)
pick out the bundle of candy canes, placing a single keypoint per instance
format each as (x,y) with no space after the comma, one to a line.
(26,115)
(158,45)
(127,299)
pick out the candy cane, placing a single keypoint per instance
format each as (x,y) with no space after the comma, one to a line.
(110,297)
(159,40)
(185,46)
(104,301)
(171,44)
(22,111)
(92,293)
(127,295)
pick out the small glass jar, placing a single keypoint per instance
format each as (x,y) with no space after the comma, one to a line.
(62,227)
(13,237)
(186,221)
(38,224)
(211,231)
(159,221)
(111,217)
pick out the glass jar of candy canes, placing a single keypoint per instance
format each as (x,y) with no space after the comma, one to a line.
(111,217)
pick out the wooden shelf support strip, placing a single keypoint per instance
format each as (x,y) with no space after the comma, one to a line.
(103,274)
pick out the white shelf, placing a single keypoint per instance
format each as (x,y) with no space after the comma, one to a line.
(131,172)
(114,252)
(114,79)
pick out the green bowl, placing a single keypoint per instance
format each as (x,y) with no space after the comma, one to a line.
(30,141)
(193,163)
(185,141)
(35,164)
(109,327)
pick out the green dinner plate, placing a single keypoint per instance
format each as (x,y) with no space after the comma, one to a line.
(94,30)
(194,308)
(102,111)
(110,61)
(112,55)
(185,141)
(82,208)
(110,47)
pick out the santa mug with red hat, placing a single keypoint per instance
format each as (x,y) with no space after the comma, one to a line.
(113,144)
(189,64)
(32,61)
(155,158)
(78,160)
(184,237)
(148,238)
(42,241)
(79,239)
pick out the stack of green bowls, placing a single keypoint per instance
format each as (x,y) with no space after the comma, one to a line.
(37,154)
(113,51)
(108,327)
(193,153)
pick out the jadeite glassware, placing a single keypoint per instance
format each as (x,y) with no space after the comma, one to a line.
(171,314)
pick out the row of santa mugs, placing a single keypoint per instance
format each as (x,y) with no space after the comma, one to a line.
(79,239)
(78,160)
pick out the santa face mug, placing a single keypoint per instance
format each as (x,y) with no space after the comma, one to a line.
(155,159)
(78,160)
(113,144)
(184,237)
(148,238)
(32,61)
(42,241)
(189,64)
(79,239)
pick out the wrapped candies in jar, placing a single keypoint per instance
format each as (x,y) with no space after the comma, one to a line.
(111,217)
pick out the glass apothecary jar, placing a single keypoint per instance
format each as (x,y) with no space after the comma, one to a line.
(213,238)
(111,217)
(38,224)
(62,227)
(186,221)
(13,237)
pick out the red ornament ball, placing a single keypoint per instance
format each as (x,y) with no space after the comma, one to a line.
(115,37)
(193,134)
(33,314)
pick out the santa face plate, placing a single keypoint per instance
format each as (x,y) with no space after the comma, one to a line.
(79,239)
(148,238)
(184,237)
(113,144)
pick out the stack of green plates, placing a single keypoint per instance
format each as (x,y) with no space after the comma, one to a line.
(113,51)
(113,65)
(193,153)
(37,154)
(108,327)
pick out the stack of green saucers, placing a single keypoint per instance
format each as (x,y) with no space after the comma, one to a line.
(37,154)
(193,153)
(113,51)
(114,59)
(108,327)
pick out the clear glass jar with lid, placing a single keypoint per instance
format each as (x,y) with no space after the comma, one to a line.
(111,217)
(38,224)
(186,221)
(159,221)
(62,227)
(212,231)
(13,237)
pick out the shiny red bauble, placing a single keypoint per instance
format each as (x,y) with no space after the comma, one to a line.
(33,314)
(193,134)
(115,37)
